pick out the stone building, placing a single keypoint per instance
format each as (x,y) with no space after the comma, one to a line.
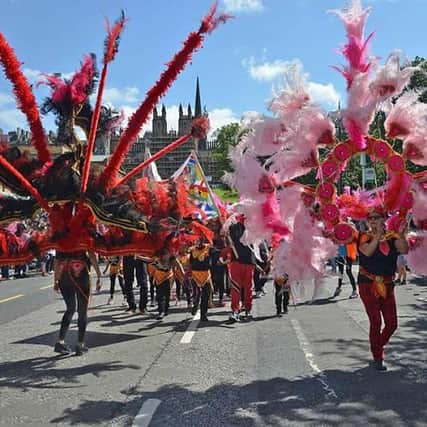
(155,140)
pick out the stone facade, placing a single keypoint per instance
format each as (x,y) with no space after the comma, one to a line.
(156,139)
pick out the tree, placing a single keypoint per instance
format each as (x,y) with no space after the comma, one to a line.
(227,136)
(419,78)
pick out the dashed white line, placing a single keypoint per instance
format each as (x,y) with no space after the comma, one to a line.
(308,352)
(11,298)
(47,287)
(191,330)
(146,413)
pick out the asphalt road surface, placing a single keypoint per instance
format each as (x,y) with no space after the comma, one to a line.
(308,368)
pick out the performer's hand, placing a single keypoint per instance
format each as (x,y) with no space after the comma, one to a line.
(403,231)
(56,286)
(379,233)
(98,284)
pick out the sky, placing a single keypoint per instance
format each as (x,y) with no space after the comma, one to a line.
(238,67)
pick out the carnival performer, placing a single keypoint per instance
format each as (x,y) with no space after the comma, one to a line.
(200,264)
(142,282)
(163,278)
(115,265)
(241,271)
(129,276)
(378,252)
(219,268)
(150,272)
(262,269)
(347,255)
(182,267)
(72,280)
(281,297)
(402,263)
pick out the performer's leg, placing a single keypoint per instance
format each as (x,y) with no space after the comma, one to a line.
(178,287)
(167,295)
(152,290)
(235,287)
(121,284)
(83,295)
(206,291)
(160,298)
(248,285)
(285,301)
(340,264)
(142,280)
(278,299)
(372,307)
(221,284)
(68,292)
(196,297)
(186,285)
(227,282)
(112,285)
(348,270)
(389,312)
(128,275)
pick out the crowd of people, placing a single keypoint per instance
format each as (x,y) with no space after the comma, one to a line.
(211,271)
(225,267)
(206,273)
(18,234)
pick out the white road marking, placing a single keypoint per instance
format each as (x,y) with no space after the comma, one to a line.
(191,330)
(46,287)
(308,352)
(146,412)
(11,298)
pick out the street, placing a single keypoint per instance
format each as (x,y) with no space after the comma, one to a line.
(308,368)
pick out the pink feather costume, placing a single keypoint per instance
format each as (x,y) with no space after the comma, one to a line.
(288,144)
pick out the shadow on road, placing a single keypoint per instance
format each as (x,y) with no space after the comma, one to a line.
(96,339)
(364,397)
(43,373)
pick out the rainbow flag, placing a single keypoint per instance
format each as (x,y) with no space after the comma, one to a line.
(192,174)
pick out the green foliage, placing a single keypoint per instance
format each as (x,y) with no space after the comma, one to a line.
(226,137)
(226,195)
(419,78)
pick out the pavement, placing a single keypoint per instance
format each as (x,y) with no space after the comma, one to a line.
(308,368)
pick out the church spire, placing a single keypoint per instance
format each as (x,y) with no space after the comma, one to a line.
(198,102)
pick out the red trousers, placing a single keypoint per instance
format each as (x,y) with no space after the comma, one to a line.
(375,306)
(241,278)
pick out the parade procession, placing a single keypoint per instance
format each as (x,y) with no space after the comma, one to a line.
(261,263)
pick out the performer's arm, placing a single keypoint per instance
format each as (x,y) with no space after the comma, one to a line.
(369,248)
(95,264)
(401,243)
(144,258)
(106,267)
(55,275)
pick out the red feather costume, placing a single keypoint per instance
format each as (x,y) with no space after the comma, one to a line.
(87,210)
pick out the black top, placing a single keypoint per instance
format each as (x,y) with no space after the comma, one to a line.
(378,263)
(244,254)
(201,265)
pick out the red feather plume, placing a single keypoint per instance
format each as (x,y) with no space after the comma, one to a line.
(111,48)
(27,185)
(113,36)
(25,98)
(174,67)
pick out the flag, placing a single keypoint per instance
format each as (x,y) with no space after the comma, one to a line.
(150,171)
(192,174)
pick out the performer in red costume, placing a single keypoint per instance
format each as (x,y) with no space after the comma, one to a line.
(378,252)
(241,270)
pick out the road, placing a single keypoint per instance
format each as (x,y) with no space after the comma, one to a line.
(308,368)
